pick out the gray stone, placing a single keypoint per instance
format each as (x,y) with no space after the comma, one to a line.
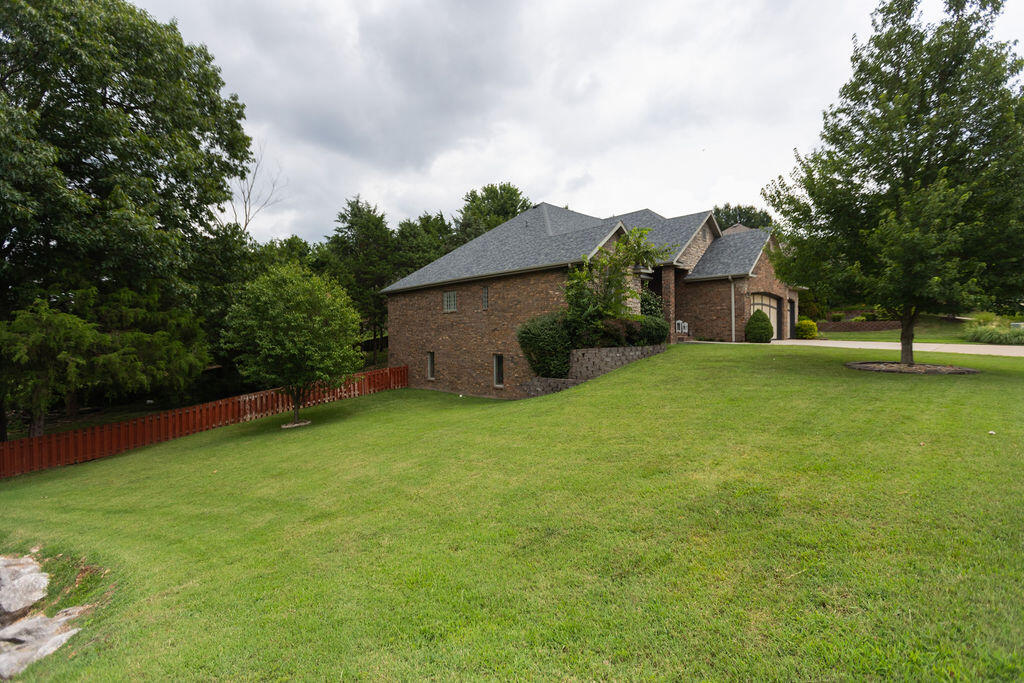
(22,584)
(32,638)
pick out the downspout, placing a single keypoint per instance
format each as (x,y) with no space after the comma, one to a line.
(732,305)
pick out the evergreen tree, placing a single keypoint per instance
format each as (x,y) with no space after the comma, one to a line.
(487,208)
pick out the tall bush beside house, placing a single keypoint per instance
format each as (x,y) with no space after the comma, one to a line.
(650,303)
(546,344)
(295,330)
(759,328)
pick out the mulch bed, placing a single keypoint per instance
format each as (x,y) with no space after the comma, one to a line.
(916,369)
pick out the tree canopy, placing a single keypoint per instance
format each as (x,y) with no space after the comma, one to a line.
(293,329)
(913,200)
(487,208)
(729,215)
(117,145)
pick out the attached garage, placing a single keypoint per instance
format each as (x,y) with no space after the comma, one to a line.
(772,306)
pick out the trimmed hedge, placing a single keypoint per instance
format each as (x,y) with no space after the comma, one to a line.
(546,343)
(806,329)
(759,328)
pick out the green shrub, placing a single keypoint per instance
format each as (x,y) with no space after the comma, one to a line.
(985,318)
(996,330)
(650,303)
(806,329)
(546,343)
(653,330)
(804,317)
(871,316)
(759,328)
(858,319)
(836,317)
(882,314)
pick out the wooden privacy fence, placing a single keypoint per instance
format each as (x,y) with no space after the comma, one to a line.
(81,445)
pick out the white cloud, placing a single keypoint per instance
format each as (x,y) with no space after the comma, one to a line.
(604,106)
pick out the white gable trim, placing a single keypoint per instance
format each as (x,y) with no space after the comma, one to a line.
(618,226)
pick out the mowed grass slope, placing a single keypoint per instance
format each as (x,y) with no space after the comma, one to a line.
(716,511)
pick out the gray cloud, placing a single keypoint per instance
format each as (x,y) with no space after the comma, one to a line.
(604,105)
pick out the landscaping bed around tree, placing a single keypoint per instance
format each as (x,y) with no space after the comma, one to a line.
(781,517)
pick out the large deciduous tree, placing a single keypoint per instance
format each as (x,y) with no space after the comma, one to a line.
(487,208)
(914,199)
(117,144)
(293,329)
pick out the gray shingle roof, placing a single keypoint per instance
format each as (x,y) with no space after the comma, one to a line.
(734,253)
(545,236)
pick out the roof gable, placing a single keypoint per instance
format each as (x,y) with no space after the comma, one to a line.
(733,255)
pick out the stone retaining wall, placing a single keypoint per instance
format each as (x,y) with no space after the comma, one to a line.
(542,386)
(587,364)
(859,326)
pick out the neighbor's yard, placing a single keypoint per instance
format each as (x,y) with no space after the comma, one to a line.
(930,328)
(717,511)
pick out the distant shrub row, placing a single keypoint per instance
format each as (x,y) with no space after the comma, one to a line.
(991,329)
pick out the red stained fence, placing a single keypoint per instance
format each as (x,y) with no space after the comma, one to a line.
(81,445)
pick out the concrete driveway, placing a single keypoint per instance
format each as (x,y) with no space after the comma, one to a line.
(975,349)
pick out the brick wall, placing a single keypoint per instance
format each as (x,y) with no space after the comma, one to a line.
(705,304)
(464,342)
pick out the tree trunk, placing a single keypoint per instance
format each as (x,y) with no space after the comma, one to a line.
(907,320)
(71,405)
(3,419)
(38,423)
(296,404)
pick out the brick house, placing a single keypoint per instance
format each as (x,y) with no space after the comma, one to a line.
(454,321)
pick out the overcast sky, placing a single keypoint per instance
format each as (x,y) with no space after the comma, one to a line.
(605,106)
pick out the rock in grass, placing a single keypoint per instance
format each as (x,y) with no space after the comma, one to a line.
(32,638)
(22,584)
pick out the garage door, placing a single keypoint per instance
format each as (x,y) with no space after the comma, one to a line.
(770,305)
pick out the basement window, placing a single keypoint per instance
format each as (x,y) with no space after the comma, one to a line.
(430,365)
(450,302)
(499,370)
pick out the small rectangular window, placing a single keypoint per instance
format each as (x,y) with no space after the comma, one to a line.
(499,370)
(483,298)
(450,302)
(430,365)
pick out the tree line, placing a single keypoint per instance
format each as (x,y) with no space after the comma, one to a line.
(118,266)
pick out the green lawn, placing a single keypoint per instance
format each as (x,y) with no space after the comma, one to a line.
(714,512)
(934,329)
